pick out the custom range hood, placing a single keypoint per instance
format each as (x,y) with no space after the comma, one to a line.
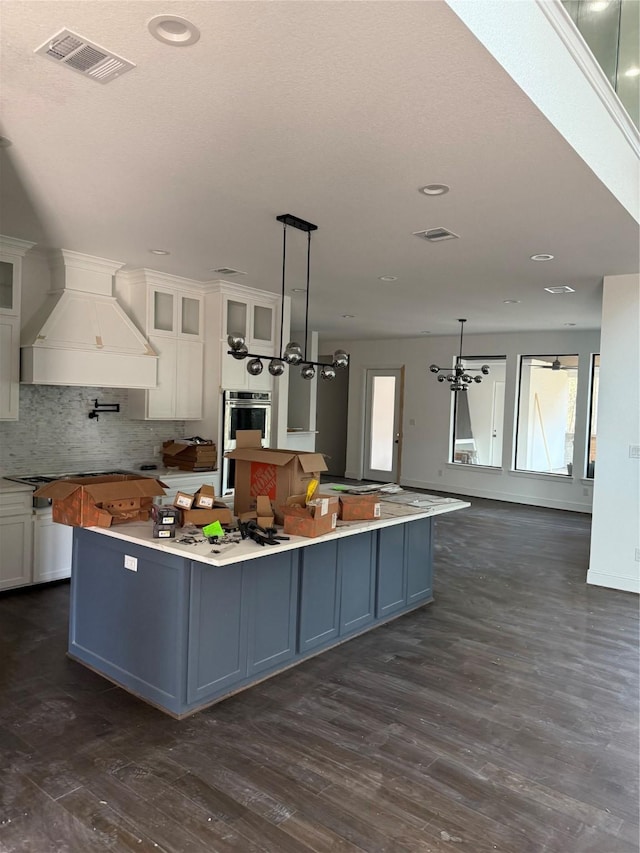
(81,335)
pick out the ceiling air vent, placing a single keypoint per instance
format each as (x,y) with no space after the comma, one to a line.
(560,288)
(435,235)
(228,271)
(84,56)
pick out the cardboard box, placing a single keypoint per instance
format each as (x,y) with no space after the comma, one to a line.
(101,501)
(201,517)
(359,507)
(164,515)
(164,531)
(190,457)
(263,513)
(204,498)
(278,474)
(183,500)
(318,517)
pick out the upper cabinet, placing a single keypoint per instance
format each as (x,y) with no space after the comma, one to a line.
(251,317)
(12,251)
(170,311)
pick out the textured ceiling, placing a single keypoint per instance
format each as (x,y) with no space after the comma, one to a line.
(335,112)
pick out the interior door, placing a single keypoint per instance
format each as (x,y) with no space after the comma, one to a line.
(497,420)
(383,416)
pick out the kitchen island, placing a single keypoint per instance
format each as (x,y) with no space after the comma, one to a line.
(183,627)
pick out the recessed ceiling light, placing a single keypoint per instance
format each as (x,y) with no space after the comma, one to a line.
(434,189)
(159,252)
(542,257)
(512,301)
(173,30)
(569,324)
(388,277)
(4,142)
(298,290)
(632,72)
(561,288)
(348,316)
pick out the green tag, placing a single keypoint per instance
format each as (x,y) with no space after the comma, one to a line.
(340,488)
(214,529)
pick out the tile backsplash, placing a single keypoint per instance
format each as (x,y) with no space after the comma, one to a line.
(55,434)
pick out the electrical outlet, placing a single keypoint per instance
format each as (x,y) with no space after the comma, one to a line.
(131,563)
(585,492)
(634,451)
(637,555)
(412,421)
(156,449)
(440,472)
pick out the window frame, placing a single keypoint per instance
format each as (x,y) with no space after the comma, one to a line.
(592,375)
(481,359)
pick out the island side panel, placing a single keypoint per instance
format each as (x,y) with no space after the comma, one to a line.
(357,567)
(319,618)
(130,625)
(391,571)
(419,557)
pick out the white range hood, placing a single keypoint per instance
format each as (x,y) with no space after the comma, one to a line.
(81,335)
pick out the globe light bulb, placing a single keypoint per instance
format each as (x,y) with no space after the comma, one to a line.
(254,367)
(340,359)
(240,352)
(235,342)
(276,367)
(293,353)
(477,379)
(328,372)
(440,378)
(434,368)
(485,369)
(307,371)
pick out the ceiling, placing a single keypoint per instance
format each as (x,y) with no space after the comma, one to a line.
(335,112)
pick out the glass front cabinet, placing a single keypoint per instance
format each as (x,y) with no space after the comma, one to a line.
(12,252)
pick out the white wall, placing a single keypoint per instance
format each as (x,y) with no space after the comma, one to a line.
(615,534)
(425,449)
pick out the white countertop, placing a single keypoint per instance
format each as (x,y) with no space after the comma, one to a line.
(392,513)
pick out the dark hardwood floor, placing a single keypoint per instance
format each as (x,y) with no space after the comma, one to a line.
(503,717)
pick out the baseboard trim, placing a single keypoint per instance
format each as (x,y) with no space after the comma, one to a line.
(490,494)
(614,582)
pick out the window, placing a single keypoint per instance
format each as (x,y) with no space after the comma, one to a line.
(546,414)
(478,415)
(593,415)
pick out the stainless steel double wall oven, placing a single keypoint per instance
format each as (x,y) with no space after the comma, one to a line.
(243,410)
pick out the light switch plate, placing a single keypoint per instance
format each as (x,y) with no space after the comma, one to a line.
(634,451)
(131,563)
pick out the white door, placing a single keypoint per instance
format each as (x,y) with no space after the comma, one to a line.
(497,420)
(382,439)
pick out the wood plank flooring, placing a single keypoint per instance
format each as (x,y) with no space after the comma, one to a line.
(503,717)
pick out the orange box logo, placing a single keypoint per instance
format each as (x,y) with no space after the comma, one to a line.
(263,480)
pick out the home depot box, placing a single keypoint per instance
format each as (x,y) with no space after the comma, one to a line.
(270,471)
(359,507)
(318,517)
(188,456)
(101,501)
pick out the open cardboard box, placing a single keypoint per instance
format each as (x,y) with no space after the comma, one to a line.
(263,514)
(101,501)
(359,507)
(277,474)
(316,518)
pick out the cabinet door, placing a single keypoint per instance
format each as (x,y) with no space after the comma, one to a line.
(217,656)
(16,550)
(262,325)
(272,584)
(356,558)
(161,401)
(189,375)
(392,570)
(419,558)
(162,311)
(9,296)
(236,316)
(233,373)
(52,549)
(319,596)
(190,317)
(9,368)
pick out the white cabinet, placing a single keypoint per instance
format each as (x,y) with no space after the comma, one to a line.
(170,310)
(253,314)
(52,548)
(16,538)
(11,253)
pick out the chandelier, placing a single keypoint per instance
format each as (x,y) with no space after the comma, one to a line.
(459,380)
(293,353)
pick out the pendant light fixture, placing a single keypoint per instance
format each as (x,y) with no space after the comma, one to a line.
(293,353)
(460,379)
